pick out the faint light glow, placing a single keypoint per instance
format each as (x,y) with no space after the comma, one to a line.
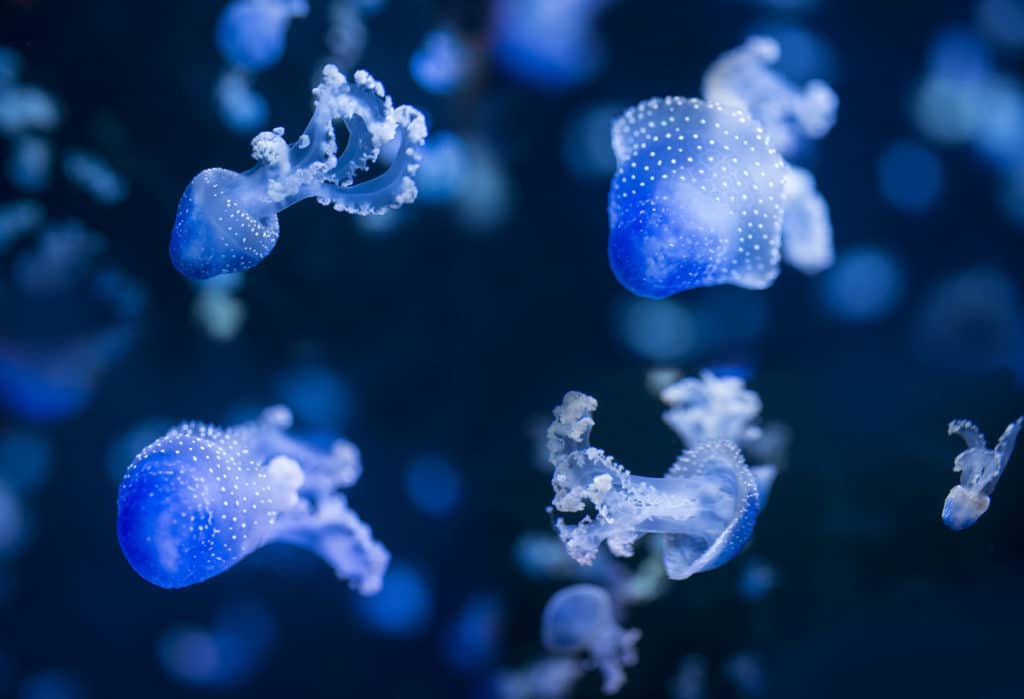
(433,484)
(866,284)
(94,176)
(442,62)
(404,606)
(910,177)
(1001,21)
(586,149)
(658,331)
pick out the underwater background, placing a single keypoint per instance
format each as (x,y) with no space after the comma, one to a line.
(440,340)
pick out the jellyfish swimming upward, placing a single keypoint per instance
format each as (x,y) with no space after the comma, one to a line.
(227,221)
(980,469)
(200,499)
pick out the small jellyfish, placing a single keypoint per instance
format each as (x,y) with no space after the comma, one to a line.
(442,63)
(347,34)
(806,224)
(581,618)
(200,499)
(757,579)
(251,34)
(403,608)
(711,407)
(227,221)
(473,638)
(217,308)
(697,199)
(17,218)
(909,177)
(691,678)
(241,107)
(95,176)
(30,162)
(433,484)
(705,506)
(745,671)
(867,284)
(546,678)
(980,469)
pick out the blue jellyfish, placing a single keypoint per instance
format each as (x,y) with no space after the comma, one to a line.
(980,469)
(472,640)
(95,176)
(544,678)
(806,224)
(251,34)
(705,506)
(711,407)
(18,218)
(691,678)
(200,499)
(227,221)
(242,108)
(405,606)
(442,63)
(581,618)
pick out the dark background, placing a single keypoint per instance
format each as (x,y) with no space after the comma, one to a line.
(453,342)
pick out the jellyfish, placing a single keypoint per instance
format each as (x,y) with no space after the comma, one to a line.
(545,678)
(242,108)
(711,407)
(472,639)
(806,224)
(200,499)
(251,34)
(691,678)
(745,671)
(405,606)
(17,218)
(581,618)
(442,63)
(433,484)
(218,309)
(227,221)
(980,469)
(95,176)
(705,506)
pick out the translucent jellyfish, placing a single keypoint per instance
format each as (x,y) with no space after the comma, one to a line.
(200,499)
(445,170)
(95,176)
(757,579)
(404,606)
(581,619)
(697,199)
(17,218)
(691,679)
(30,163)
(27,108)
(252,34)
(473,638)
(806,225)
(442,63)
(227,221)
(224,655)
(547,678)
(318,395)
(867,284)
(744,78)
(712,407)
(433,484)
(705,507)
(909,177)
(979,468)
(217,308)
(347,34)
(241,107)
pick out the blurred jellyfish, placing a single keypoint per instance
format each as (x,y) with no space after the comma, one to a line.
(442,63)
(548,44)
(691,679)
(404,606)
(1001,141)
(26,108)
(757,579)
(320,397)
(705,507)
(658,331)
(581,619)
(745,672)
(17,218)
(971,321)
(200,499)
(1001,21)
(979,468)
(217,307)
(547,678)
(486,200)
(867,284)
(131,441)
(444,171)
(223,656)
(10,66)
(241,107)
(15,527)
(30,163)
(957,51)
(25,460)
(909,177)
(227,221)
(711,408)
(806,225)
(585,149)
(251,34)
(95,176)
(347,34)
(471,641)
(433,484)
(53,684)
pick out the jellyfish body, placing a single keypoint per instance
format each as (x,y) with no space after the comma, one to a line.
(705,506)
(711,407)
(980,469)
(251,34)
(200,499)
(227,221)
(696,199)
(581,618)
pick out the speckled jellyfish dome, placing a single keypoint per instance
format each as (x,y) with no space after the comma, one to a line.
(697,199)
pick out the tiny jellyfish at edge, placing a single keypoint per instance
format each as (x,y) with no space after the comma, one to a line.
(471,641)
(979,468)
(227,221)
(581,619)
(404,606)
(251,34)
(200,499)
(94,176)
(866,284)
(705,507)
(442,62)
(691,679)
(433,484)
(241,107)
(711,407)
(909,177)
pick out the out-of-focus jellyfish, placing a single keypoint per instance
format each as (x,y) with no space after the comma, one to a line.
(55,683)
(745,672)
(131,441)
(487,198)
(806,225)
(691,678)
(227,221)
(200,499)
(15,526)
(757,579)
(548,44)
(445,168)
(30,163)
(705,506)
(581,619)
(225,655)
(1001,21)
(25,458)
(433,484)
(547,678)
(442,63)
(241,107)
(218,309)
(972,321)
(17,218)
(772,446)
(697,199)
(586,152)
(347,34)
(712,408)
(866,284)
(10,65)
(909,177)
(404,606)
(979,468)
(252,34)
(95,176)
(26,108)
(471,641)
(318,395)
